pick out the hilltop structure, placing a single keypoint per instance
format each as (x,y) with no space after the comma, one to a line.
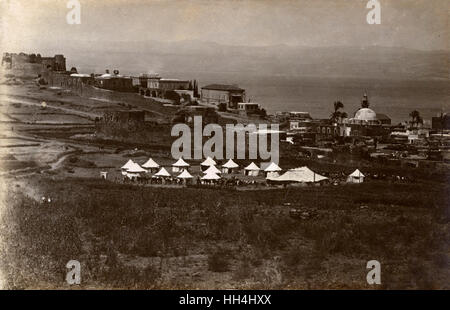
(19,61)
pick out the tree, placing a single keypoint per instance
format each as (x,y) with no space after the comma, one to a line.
(263,113)
(196,94)
(416,119)
(222,107)
(338,115)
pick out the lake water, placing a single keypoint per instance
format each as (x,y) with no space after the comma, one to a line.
(316,95)
(396,98)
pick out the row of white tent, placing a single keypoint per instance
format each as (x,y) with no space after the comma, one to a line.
(211,172)
(306,175)
(180,165)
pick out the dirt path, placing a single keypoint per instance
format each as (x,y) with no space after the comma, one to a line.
(10,100)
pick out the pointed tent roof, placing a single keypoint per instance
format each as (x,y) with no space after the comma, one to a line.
(211,176)
(180,163)
(185,175)
(128,164)
(356,174)
(272,167)
(303,174)
(212,169)
(162,173)
(135,168)
(208,162)
(150,163)
(230,164)
(252,166)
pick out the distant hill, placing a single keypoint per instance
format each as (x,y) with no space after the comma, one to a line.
(282,60)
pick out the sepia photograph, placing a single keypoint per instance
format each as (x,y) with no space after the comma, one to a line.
(224,145)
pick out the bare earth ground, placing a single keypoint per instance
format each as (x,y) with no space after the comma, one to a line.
(128,236)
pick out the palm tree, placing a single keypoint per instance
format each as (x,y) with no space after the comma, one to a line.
(415,118)
(338,115)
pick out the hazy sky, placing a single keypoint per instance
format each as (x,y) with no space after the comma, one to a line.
(419,24)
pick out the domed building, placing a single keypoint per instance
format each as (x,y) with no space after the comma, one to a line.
(366,116)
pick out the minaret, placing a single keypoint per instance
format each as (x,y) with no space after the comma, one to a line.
(365,101)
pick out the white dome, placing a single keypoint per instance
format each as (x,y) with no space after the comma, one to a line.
(366,114)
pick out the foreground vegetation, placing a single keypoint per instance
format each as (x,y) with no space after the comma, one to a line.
(133,237)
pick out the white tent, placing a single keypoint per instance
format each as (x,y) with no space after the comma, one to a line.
(208,162)
(356,177)
(127,166)
(210,177)
(229,166)
(185,175)
(162,173)
(180,165)
(150,165)
(252,170)
(212,169)
(134,170)
(273,170)
(299,175)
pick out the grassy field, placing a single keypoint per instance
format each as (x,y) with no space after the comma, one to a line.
(133,237)
(142,237)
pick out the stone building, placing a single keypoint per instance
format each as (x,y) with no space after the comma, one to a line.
(115,82)
(216,94)
(441,122)
(13,60)
(56,63)
(155,86)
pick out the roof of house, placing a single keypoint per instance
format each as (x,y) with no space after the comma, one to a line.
(223,87)
(248,103)
(174,80)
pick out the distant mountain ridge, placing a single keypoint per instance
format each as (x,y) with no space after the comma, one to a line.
(284,60)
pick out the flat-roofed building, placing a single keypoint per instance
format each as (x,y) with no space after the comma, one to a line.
(114,82)
(216,94)
(152,85)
